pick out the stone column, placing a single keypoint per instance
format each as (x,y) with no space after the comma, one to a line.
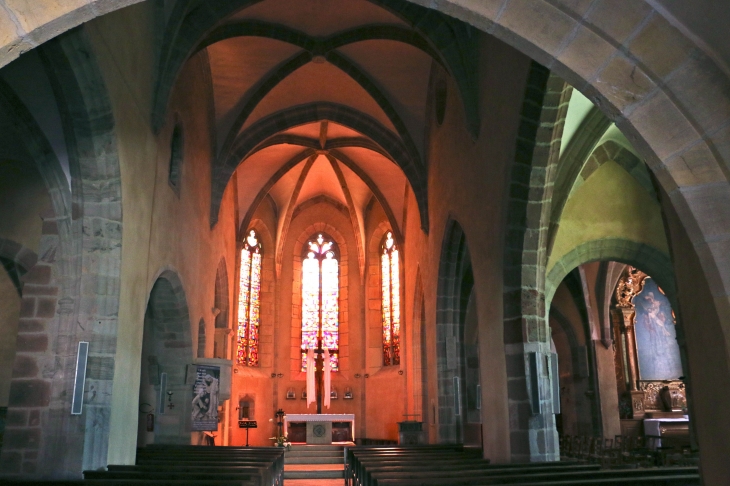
(607,389)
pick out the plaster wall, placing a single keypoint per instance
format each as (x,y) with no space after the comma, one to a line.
(467,183)
(610,204)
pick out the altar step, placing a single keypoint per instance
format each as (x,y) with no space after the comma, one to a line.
(315,454)
(314,462)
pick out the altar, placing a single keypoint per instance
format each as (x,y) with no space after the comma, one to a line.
(322,428)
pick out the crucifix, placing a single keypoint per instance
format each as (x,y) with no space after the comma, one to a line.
(320,311)
(319,373)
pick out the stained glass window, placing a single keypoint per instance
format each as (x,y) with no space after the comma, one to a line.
(390,280)
(320,298)
(248,302)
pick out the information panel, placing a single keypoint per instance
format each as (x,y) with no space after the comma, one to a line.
(205,398)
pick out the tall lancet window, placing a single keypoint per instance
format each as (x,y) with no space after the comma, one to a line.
(248,301)
(390,278)
(320,298)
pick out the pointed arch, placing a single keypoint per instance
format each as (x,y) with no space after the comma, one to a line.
(221,298)
(455,282)
(419,352)
(649,259)
(167,348)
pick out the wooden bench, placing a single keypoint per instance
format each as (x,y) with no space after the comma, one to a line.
(178,464)
(479,478)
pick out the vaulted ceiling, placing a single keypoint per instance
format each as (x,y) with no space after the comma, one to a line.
(324,99)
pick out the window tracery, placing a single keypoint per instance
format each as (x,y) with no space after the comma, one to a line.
(320,298)
(390,282)
(249,301)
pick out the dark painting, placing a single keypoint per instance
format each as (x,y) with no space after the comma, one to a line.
(656,337)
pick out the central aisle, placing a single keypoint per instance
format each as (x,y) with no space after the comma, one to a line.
(309,465)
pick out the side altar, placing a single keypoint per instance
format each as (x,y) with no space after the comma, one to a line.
(320,428)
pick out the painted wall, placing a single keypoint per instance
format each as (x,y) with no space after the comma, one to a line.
(610,204)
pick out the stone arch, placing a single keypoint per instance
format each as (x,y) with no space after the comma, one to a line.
(455,283)
(582,354)
(537,153)
(81,257)
(167,348)
(647,258)
(538,148)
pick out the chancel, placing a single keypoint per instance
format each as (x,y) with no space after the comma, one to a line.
(491,236)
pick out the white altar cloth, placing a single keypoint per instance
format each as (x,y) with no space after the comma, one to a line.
(321,417)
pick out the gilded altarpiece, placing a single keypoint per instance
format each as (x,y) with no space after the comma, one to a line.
(648,365)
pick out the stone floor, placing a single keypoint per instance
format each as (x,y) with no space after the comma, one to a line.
(313,467)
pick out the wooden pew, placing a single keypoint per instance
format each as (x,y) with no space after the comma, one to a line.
(154,477)
(361,461)
(480,478)
(467,470)
(174,464)
(396,453)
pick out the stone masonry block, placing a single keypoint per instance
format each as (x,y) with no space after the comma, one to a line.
(702,87)
(39,275)
(25,367)
(586,53)
(660,46)
(46,307)
(34,418)
(663,127)
(29,393)
(24,438)
(31,325)
(618,23)
(11,461)
(623,83)
(528,19)
(32,343)
(27,307)
(40,290)
(16,418)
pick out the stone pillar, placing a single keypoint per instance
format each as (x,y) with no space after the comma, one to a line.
(607,389)
(538,380)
